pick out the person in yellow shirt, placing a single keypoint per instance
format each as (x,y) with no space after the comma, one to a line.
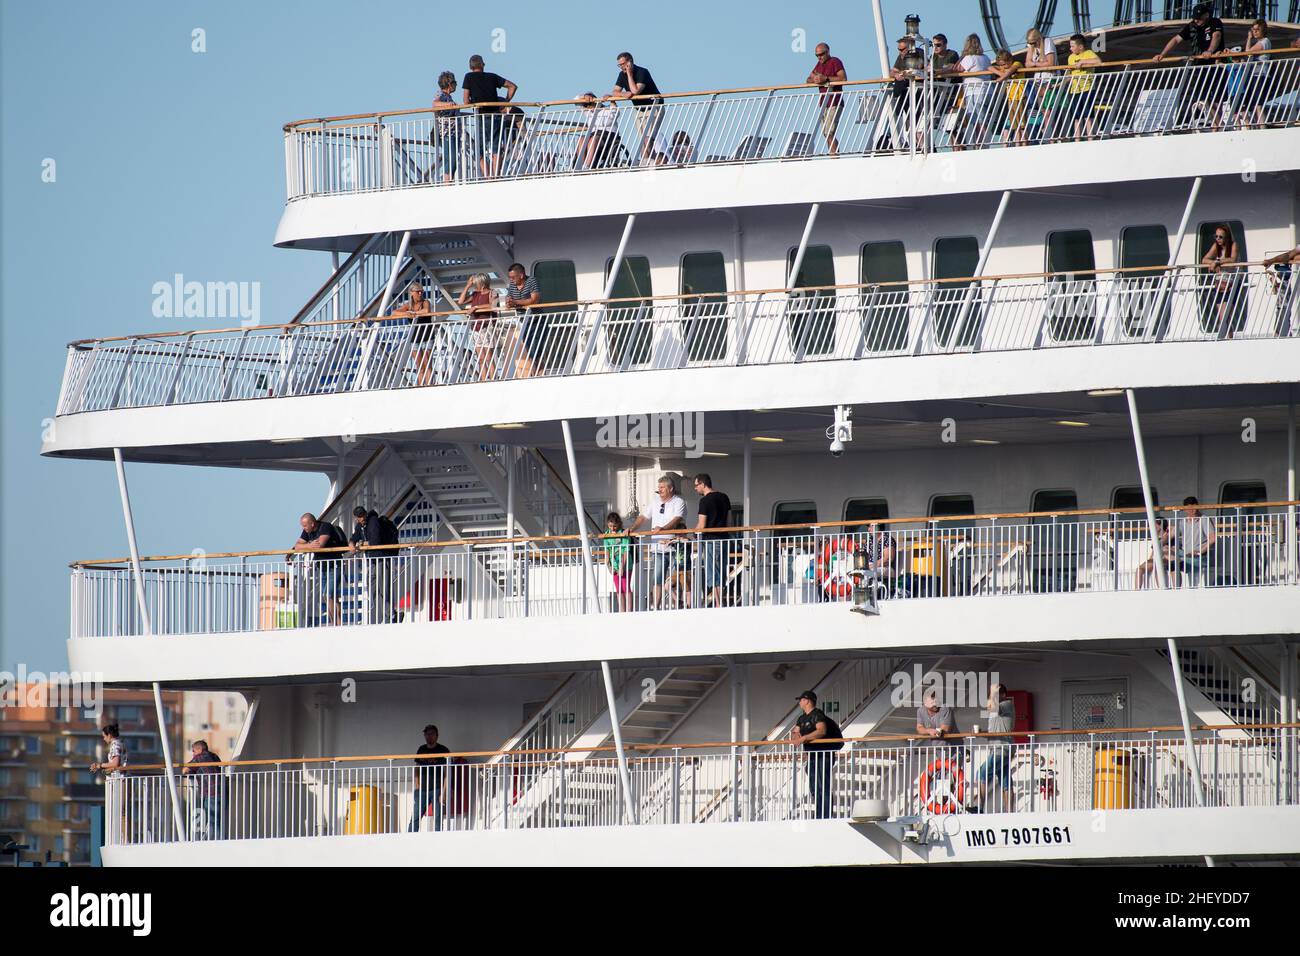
(1083,61)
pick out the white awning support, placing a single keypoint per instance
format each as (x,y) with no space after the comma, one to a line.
(1157,553)
(147,624)
(589,596)
(614,267)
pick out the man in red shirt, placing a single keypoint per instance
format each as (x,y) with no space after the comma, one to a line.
(828,74)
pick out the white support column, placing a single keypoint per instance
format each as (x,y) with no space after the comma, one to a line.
(1290,536)
(1167,279)
(589,588)
(882,50)
(803,245)
(334,296)
(393,273)
(746,472)
(968,302)
(147,623)
(1159,558)
(242,741)
(511,461)
(594,335)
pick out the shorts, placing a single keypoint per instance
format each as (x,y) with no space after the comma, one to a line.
(997,767)
(648,121)
(328,577)
(622,582)
(485,336)
(831,119)
(665,563)
(488,132)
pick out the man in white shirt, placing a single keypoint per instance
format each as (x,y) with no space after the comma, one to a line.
(1195,539)
(666,512)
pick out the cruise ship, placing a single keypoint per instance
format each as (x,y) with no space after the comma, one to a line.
(996,378)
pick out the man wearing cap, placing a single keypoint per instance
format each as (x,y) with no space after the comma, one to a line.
(1204,34)
(371,528)
(820,737)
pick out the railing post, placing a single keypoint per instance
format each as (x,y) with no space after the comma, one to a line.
(677,785)
(469,581)
(564,792)
(1033,770)
(508,765)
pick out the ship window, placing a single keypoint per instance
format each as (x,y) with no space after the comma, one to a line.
(550,332)
(1072,286)
(628,327)
(795,513)
(945,506)
(811,311)
(1222,302)
(704,322)
(1130,496)
(864,509)
(1054,500)
(1243,493)
(1146,250)
(884,309)
(956,257)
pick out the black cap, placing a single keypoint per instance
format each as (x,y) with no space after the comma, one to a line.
(1201,10)
(359,512)
(811,695)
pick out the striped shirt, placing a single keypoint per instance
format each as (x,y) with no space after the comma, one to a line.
(515,294)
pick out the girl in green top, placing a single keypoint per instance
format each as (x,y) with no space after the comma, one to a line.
(618,555)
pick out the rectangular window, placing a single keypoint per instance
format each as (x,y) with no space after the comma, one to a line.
(33,779)
(549,333)
(883,273)
(1223,295)
(1062,500)
(704,306)
(32,744)
(127,714)
(629,326)
(810,312)
(1146,250)
(1130,496)
(947,506)
(5,778)
(864,509)
(1071,298)
(1242,492)
(33,810)
(795,513)
(956,257)
(61,811)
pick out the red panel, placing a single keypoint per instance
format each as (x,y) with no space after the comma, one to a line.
(1024,702)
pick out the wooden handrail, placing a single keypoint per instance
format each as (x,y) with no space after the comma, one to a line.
(632,301)
(691,532)
(651,748)
(812,87)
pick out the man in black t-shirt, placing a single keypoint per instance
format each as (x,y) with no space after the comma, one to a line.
(714,512)
(820,737)
(327,566)
(633,80)
(481,86)
(1204,35)
(430,773)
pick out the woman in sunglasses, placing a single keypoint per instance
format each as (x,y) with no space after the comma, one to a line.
(1219,259)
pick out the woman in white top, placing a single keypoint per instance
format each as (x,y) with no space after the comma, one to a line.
(596,146)
(974,90)
(1252,100)
(1039,55)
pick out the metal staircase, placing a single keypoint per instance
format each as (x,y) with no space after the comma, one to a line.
(1245,691)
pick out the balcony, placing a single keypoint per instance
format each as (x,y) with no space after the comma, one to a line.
(800,571)
(1033,315)
(1057,780)
(407,149)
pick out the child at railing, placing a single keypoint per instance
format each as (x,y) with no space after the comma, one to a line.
(618,557)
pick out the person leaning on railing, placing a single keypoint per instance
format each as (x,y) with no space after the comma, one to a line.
(828,73)
(598,144)
(1195,540)
(417,309)
(445,135)
(1041,98)
(636,81)
(1082,95)
(317,535)
(520,338)
(1005,67)
(112,769)
(1251,78)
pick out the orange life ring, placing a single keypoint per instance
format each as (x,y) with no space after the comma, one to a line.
(834,562)
(949,802)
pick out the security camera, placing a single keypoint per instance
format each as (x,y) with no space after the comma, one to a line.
(841,431)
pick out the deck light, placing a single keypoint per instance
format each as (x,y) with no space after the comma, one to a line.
(1105,392)
(510,425)
(1074,424)
(985,441)
(766,439)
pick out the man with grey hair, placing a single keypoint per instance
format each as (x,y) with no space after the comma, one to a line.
(665,513)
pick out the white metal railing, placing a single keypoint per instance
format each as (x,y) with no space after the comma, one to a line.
(1044,774)
(468,581)
(411,148)
(1186,304)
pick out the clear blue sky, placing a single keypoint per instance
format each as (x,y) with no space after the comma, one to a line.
(172,161)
